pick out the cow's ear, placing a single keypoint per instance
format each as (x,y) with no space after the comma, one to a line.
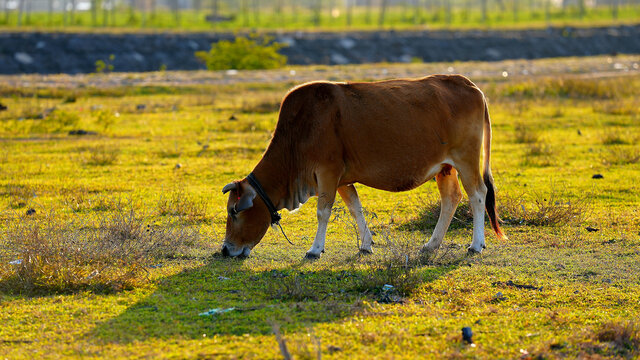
(246,200)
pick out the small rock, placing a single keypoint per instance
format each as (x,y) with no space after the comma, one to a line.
(141,107)
(3,107)
(579,132)
(332,349)
(499,296)
(178,166)
(233,117)
(31,211)
(467,335)
(23,58)
(597,176)
(591,229)
(347,43)
(339,59)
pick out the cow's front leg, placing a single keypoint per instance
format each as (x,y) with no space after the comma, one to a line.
(326,197)
(350,197)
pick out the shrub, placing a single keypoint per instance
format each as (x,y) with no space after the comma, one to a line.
(243,54)
(100,155)
(53,120)
(524,134)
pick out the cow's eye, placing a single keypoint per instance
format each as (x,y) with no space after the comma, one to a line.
(233,213)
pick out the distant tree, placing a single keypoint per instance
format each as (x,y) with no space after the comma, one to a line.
(244,9)
(20,11)
(72,12)
(383,10)
(175,8)
(447,11)
(317,12)
(94,12)
(367,15)
(416,12)
(547,10)
(256,11)
(483,5)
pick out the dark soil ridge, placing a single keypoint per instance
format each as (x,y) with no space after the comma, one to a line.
(73,53)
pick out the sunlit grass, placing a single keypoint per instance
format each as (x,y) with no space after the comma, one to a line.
(553,289)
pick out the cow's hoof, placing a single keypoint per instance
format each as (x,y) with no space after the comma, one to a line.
(471,251)
(312,256)
(427,250)
(365,252)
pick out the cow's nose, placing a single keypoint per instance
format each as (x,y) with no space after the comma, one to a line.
(225,251)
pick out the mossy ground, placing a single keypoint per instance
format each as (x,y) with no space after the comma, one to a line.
(551,135)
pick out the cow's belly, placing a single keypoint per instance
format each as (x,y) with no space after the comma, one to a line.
(398,176)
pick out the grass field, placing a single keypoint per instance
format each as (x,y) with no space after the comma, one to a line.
(109,239)
(461,16)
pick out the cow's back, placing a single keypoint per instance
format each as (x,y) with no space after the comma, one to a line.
(391,135)
(396,133)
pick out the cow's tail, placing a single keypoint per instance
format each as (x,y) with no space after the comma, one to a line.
(490,201)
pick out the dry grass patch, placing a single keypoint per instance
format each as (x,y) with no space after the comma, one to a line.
(178,203)
(48,255)
(99,155)
(621,155)
(525,135)
(538,209)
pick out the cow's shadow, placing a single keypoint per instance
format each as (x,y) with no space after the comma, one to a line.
(249,301)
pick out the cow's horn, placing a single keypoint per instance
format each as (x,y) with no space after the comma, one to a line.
(229,187)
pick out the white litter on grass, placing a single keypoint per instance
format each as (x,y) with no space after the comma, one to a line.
(216,311)
(15,262)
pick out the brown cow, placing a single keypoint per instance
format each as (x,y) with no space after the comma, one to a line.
(391,135)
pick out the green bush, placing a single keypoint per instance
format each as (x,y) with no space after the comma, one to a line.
(244,54)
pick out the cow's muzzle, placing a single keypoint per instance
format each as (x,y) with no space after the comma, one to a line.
(231,251)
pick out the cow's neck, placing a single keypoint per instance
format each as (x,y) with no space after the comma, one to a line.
(272,183)
(286,188)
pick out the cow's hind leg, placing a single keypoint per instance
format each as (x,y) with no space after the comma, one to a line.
(477,192)
(326,196)
(351,199)
(450,196)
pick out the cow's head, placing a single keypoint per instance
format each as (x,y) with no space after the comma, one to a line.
(247,220)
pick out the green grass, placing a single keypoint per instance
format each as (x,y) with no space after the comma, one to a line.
(302,18)
(551,134)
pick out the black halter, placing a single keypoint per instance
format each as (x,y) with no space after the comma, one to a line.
(275,216)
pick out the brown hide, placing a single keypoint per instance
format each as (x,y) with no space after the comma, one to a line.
(389,135)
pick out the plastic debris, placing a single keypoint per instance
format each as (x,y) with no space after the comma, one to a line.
(222,277)
(15,262)
(216,311)
(387,287)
